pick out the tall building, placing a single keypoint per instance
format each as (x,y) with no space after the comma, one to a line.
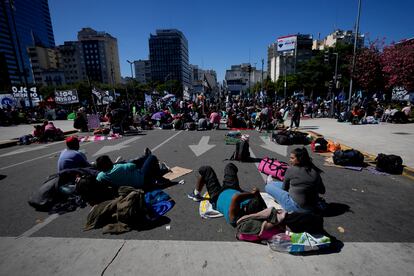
(70,61)
(23,24)
(169,57)
(291,50)
(45,66)
(99,56)
(338,37)
(142,70)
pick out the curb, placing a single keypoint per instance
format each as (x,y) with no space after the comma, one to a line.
(13,142)
(369,158)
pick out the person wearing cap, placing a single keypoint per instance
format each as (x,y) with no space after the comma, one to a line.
(71,158)
(229,199)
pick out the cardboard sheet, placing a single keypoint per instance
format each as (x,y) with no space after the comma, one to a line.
(177,172)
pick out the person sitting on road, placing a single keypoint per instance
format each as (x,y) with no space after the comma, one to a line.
(141,173)
(80,122)
(215,119)
(299,192)
(229,199)
(71,158)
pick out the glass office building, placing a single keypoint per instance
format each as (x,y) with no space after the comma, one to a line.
(169,56)
(23,23)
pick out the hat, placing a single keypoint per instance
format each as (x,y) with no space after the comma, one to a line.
(72,139)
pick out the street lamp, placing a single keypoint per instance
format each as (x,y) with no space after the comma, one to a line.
(354,56)
(132,77)
(335,84)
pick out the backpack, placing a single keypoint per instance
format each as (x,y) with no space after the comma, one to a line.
(389,163)
(190,126)
(299,138)
(242,152)
(348,158)
(47,195)
(319,145)
(25,140)
(283,137)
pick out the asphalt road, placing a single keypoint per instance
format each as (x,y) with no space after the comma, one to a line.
(381,208)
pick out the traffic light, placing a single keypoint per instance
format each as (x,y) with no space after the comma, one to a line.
(326,56)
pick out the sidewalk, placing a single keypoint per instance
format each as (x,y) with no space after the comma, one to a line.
(68,256)
(385,138)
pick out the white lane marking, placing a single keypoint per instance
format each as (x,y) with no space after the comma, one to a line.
(202,147)
(119,146)
(39,226)
(24,150)
(30,160)
(166,141)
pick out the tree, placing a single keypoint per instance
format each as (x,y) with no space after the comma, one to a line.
(398,65)
(368,70)
(292,85)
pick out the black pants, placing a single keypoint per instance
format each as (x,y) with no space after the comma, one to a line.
(213,186)
(295,120)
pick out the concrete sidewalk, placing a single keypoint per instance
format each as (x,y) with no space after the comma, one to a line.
(385,138)
(68,256)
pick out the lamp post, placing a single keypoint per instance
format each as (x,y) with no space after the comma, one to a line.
(285,83)
(132,78)
(335,84)
(354,56)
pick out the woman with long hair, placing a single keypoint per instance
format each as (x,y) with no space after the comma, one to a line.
(299,192)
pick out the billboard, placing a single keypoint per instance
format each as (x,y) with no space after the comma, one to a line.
(286,43)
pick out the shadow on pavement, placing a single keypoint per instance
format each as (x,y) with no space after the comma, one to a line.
(336,209)
(2,176)
(151,225)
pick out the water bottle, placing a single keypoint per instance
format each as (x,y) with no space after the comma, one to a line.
(280,242)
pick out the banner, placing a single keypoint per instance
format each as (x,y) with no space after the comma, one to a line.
(66,96)
(286,43)
(103,97)
(7,100)
(22,92)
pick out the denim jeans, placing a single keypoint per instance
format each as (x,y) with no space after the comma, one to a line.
(283,198)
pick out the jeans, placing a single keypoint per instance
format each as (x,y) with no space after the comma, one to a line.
(283,198)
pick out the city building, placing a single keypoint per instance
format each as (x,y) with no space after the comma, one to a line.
(70,61)
(204,82)
(338,37)
(242,77)
(45,66)
(99,56)
(291,50)
(23,24)
(169,57)
(142,70)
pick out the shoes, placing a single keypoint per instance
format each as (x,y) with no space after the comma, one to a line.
(195,197)
(147,152)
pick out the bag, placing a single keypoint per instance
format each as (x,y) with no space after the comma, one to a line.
(242,152)
(266,234)
(332,146)
(273,167)
(299,138)
(348,158)
(389,163)
(283,137)
(47,195)
(319,145)
(25,140)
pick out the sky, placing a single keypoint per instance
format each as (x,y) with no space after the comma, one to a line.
(222,33)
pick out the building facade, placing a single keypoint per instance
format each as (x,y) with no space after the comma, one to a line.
(242,77)
(45,66)
(338,37)
(23,24)
(142,70)
(291,50)
(70,61)
(169,57)
(99,56)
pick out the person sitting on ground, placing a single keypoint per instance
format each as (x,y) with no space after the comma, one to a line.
(141,173)
(52,133)
(71,158)
(202,123)
(80,122)
(229,199)
(38,133)
(215,119)
(407,111)
(299,192)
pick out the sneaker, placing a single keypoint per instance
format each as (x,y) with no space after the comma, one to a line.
(195,197)
(147,151)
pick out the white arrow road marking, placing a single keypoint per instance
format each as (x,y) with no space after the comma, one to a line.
(118,146)
(202,146)
(27,149)
(272,146)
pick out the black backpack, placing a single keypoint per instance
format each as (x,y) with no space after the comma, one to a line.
(283,137)
(349,157)
(389,163)
(242,152)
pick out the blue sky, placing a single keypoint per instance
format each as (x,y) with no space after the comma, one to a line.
(223,33)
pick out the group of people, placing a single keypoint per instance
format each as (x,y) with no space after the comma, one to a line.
(298,193)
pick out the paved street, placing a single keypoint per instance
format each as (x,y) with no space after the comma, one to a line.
(378,236)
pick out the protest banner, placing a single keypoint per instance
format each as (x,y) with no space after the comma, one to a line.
(66,96)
